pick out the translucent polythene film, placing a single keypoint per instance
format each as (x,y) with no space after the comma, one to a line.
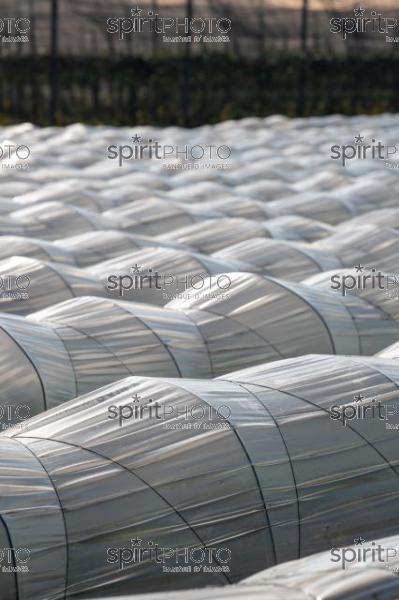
(253,460)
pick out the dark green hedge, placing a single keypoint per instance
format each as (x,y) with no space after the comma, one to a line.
(209,88)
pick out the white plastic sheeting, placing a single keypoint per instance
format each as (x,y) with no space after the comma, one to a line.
(16,245)
(29,284)
(94,247)
(371,245)
(151,216)
(158,275)
(81,250)
(268,478)
(78,346)
(315,205)
(208,237)
(257,320)
(297,228)
(279,478)
(279,258)
(391,351)
(381,294)
(237,207)
(388,217)
(313,578)
(55,219)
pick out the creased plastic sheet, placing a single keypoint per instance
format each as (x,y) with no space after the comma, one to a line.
(371,245)
(16,226)
(281,258)
(383,217)
(13,245)
(59,220)
(260,318)
(264,190)
(277,162)
(314,205)
(374,326)
(29,284)
(368,193)
(277,475)
(391,351)
(241,207)
(68,191)
(382,303)
(107,340)
(27,511)
(96,246)
(197,191)
(176,270)
(305,579)
(151,216)
(256,320)
(297,228)
(121,192)
(82,250)
(208,237)
(36,371)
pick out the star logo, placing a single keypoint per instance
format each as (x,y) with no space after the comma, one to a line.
(136,541)
(359,541)
(136,139)
(136,398)
(358,398)
(358,11)
(359,139)
(136,268)
(358,268)
(135,11)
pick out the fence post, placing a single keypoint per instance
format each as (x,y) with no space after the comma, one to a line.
(186,89)
(54,76)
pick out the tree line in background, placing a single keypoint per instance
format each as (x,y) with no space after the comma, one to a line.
(140,91)
(276,61)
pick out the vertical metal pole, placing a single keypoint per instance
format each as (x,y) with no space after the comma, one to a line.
(304,26)
(186,95)
(54,78)
(303,72)
(154,41)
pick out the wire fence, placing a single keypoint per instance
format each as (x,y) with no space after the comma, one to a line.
(110,61)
